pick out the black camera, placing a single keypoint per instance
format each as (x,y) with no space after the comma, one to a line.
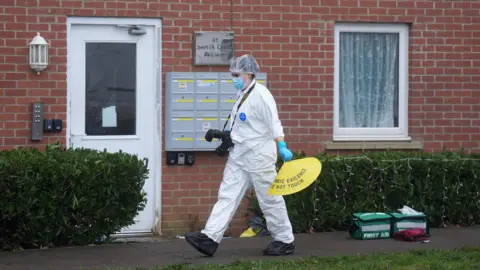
(222,150)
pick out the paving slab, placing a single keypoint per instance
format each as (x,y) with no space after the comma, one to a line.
(155,253)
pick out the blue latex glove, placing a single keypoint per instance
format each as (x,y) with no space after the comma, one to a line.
(285,154)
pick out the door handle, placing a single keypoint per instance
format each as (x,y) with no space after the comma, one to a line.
(135,30)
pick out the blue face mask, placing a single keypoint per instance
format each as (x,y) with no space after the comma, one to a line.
(238,83)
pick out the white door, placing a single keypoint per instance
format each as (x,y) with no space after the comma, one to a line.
(112,89)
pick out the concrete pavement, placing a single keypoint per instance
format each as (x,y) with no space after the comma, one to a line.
(154,253)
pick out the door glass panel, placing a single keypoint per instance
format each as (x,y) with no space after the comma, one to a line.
(110,82)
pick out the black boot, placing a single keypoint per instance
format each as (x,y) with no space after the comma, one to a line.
(277,248)
(202,243)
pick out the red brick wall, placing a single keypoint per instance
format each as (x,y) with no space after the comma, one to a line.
(293,42)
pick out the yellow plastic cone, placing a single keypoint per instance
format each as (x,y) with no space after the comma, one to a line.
(296,175)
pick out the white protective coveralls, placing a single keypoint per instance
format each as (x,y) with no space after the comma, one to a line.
(251,162)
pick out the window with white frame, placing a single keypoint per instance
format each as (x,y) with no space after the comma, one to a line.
(371,82)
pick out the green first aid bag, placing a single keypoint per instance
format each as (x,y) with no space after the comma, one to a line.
(402,222)
(370,226)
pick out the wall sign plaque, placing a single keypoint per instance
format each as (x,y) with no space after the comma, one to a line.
(213,48)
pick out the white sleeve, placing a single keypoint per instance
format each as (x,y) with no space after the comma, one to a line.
(269,112)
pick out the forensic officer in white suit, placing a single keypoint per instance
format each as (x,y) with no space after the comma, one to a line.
(256,132)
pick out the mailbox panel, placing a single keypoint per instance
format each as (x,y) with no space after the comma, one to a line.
(201,143)
(227,102)
(223,118)
(182,140)
(226,84)
(207,102)
(182,83)
(207,83)
(182,102)
(182,121)
(261,78)
(196,102)
(206,120)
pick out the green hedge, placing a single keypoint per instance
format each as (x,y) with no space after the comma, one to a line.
(63,197)
(446,186)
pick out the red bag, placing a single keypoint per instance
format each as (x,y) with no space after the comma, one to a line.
(411,235)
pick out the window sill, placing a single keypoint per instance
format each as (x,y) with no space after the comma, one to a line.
(414,145)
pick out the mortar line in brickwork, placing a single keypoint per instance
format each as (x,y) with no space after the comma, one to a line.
(231,15)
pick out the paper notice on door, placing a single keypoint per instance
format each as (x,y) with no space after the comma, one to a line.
(109,117)
(206,126)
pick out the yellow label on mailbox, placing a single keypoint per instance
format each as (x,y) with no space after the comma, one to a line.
(183,119)
(209,100)
(184,139)
(230,100)
(183,81)
(207,119)
(184,100)
(261,81)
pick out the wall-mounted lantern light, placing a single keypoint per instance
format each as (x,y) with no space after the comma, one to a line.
(38,54)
